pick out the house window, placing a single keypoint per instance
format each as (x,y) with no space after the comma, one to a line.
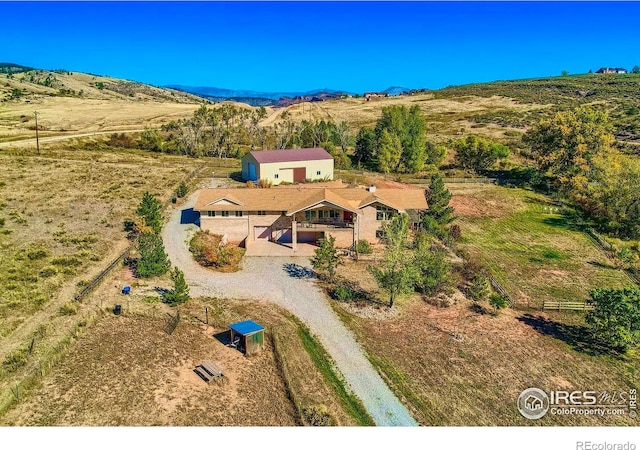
(211,213)
(309,215)
(238,213)
(262,213)
(225,213)
(318,172)
(276,176)
(384,213)
(334,214)
(323,214)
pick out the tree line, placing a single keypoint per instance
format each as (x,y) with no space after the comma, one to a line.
(573,152)
(228,131)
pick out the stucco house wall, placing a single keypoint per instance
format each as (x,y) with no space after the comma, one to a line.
(236,228)
(368,224)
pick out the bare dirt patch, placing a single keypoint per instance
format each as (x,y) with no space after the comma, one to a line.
(478,202)
(382,183)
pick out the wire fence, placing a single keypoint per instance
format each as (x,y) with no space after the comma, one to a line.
(98,278)
(501,290)
(606,248)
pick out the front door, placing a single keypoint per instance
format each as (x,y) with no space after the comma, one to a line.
(252,172)
(348,216)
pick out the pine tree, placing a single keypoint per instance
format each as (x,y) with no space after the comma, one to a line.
(180,292)
(438,198)
(432,269)
(480,288)
(326,258)
(150,209)
(153,260)
(395,273)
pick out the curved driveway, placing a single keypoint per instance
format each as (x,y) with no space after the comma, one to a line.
(268,279)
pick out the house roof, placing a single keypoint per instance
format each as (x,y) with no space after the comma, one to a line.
(325,196)
(287,155)
(246,327)
(294,200)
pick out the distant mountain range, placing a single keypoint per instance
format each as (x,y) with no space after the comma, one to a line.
(256,98)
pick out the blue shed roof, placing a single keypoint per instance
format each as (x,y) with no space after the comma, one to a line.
(246,327)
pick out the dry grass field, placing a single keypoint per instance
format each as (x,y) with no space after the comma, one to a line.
(124,370)
(463,366)
(446,118)
(62,219)
(120,105)
(454,367)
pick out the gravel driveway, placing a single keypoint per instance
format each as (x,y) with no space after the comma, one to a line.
(285,281)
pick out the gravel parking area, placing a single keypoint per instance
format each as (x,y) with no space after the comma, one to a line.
(288,282)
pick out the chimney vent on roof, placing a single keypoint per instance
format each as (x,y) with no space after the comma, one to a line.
(372,188)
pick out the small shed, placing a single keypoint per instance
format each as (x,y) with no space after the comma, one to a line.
(247,336)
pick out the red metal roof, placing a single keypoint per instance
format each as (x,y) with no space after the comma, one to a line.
(293,154)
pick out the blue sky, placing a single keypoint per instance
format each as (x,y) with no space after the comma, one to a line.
(292,46)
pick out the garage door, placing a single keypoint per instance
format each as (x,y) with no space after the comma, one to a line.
(262,233)
(309,236)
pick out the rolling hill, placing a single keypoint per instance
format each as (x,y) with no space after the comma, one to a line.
(79,102)
(74,102)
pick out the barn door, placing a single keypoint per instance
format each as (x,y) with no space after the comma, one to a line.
(299,174)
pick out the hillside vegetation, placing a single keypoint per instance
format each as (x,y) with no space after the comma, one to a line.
(74,102)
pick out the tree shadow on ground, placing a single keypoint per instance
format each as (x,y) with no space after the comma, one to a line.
(601,265)
(577,336)
(188,216)
(559,222)
(478,309)
(297,271)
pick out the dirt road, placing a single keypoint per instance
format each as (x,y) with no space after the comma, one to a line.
(62,138)
(287,282)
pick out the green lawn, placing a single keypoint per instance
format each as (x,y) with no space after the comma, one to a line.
(530,248)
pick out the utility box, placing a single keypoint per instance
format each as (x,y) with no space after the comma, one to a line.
(247,336)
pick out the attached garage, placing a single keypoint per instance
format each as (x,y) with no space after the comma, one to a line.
(262,233)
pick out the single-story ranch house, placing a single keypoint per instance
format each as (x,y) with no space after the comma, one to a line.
(294,215)
(290,165)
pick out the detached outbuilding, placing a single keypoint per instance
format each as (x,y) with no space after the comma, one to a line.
(289,165)
(247,336)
